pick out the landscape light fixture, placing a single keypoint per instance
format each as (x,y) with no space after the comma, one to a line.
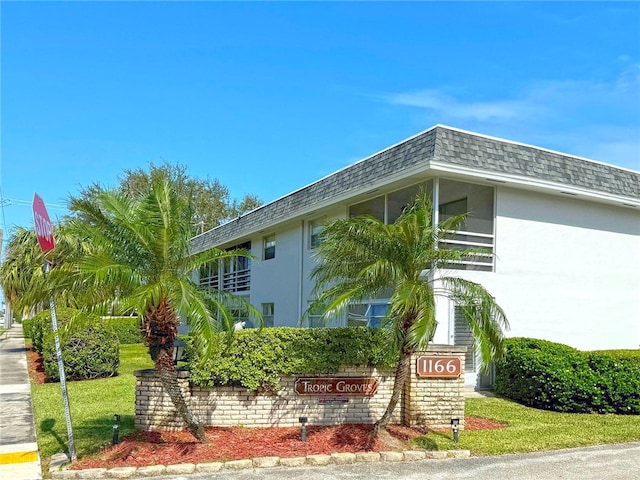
(116,428)
(455,423)
(303,421)
(178,350)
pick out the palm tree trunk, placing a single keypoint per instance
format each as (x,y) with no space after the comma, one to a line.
(401,376)
(168,376)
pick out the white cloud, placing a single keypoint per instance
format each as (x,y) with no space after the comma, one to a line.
(629,78)
(593,118)
(447,106)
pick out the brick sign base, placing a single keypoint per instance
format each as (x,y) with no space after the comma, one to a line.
(430,402)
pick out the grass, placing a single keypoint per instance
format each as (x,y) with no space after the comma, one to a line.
(92,403)
(531,430)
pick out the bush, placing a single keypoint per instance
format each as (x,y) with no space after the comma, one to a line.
(127,329)
(39,326)
(90,349)
(557,377)
(27,327)
(255,359)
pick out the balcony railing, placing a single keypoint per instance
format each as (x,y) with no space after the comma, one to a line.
(238,281)
(482,244)
(211,282)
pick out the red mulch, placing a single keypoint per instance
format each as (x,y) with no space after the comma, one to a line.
(36,366)
(236,443)
(475,423)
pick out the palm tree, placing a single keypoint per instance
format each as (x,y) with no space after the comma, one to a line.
(21,271)
(22,274)
(362,258)
(138,252)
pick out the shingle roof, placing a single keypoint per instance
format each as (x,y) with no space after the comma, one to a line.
(445,146)
(499,156)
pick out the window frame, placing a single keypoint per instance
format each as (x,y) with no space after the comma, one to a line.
(266,308)
(315,239)
(269,247)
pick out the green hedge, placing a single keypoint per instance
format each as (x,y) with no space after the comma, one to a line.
(38,326)
(27,327)
(90,349)
(126,328)
(255,359)
(624,355)
(557,377)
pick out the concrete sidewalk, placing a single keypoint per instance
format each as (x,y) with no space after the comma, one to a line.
(19,459)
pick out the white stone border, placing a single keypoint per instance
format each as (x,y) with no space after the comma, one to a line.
(62,473)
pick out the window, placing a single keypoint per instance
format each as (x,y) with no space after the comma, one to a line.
(375,314)
(237,271)
(315,234)
(476,232)
(452,209)
(387,208)
(315,317)
(267,314)
(209,275)
(373,208)
(241,318)
(399,200)
(477,200)
(367,314)
(270,247)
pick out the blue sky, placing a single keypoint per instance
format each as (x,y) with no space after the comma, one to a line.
(268,97)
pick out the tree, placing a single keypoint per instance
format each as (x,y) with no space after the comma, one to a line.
(139,251)
(22,271)
(212,204)
(361,258)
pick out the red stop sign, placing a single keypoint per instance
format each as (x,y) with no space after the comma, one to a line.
(43,226)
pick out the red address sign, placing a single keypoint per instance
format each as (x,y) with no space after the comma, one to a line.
(440,367)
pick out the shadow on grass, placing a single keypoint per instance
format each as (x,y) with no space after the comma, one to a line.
(47,428)
(428,443)
(89,436)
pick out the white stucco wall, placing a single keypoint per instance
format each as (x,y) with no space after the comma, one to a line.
(567,270)
(308,262)
(277,280)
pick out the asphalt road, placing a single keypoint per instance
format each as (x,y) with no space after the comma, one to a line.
(609,462)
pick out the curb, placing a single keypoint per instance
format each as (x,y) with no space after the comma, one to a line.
(60,472)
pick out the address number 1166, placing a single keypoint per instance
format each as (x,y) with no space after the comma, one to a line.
(428,366)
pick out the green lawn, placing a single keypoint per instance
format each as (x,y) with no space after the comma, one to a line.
(530,429)
(93,404)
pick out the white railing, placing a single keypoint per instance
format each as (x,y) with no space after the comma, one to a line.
(482,243)
(238,281)
(211,282)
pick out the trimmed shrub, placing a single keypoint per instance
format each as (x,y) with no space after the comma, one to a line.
(40,325)
(255,359)
(127,329)
(557,377)
(27,328)
(90,349)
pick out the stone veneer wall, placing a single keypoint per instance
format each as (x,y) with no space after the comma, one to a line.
(428,402)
